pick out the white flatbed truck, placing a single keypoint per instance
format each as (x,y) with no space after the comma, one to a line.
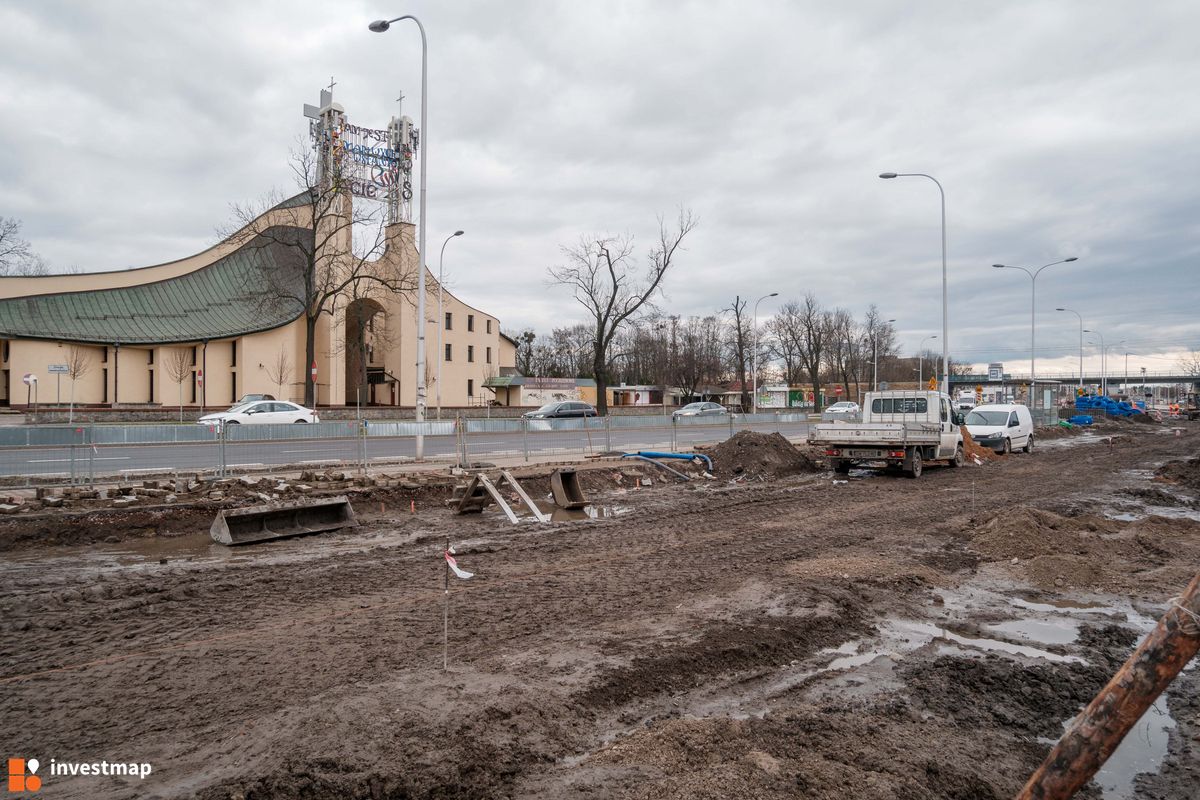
(900,430)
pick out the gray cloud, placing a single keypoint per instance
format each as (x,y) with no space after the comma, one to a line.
(1057,129)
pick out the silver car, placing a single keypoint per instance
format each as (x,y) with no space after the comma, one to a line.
(701,410)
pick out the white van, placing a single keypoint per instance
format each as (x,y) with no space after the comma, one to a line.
(1002,427)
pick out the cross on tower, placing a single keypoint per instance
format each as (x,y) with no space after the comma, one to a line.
(331,84)
(400,104)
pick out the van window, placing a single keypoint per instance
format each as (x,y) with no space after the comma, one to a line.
(945,411)
(899,405)
(1012,420)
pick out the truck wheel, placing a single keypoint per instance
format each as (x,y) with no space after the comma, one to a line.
(959,457)
(1028,448)
(841,467)
(914,465)
(1006,448)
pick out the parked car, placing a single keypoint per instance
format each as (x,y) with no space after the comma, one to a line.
(250,398)
(261,412)
(563,409)
(845,408)
(1002,427)
(701,410)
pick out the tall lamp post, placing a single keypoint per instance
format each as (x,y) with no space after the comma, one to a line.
(875,357)
(1033,276)
(441,323)
(921,360)
(754,398)
(1103,362)
(945,294)
(379,26)
(1077,314)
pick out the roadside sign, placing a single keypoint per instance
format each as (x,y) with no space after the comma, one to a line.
(837,390)
(58,369)
(314,370)
(29,378)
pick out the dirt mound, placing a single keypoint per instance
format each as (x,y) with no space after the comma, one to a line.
(975,451)
(1028,532)
(1057,552)
(1184,473)
(759,455)
(1056,432)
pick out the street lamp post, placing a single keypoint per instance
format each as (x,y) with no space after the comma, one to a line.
(1033,276)
(441,323)
(754,398)
(379,26)
(875,357)
(1103,362)
(945,294)
(1077,314)
(921,360)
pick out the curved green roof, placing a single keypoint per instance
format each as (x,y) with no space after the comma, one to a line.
(229,297)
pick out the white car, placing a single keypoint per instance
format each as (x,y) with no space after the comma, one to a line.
(1002,427)
(261,412)
(845,408)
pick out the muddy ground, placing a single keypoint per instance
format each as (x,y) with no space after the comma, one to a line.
(879,637)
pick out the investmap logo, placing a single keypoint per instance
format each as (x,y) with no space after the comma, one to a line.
(23,777)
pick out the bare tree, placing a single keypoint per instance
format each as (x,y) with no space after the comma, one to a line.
(599,273)
(179,368)
(328,245)
(814,329)
(842,350)
(14,250)
(697,354)
(16,254)
(79,363)
(739,346)
(785,337)
(1190,362)
(279,370)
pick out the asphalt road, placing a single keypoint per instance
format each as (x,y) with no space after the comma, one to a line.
(116,459)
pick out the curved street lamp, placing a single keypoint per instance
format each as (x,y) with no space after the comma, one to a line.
(1077,314)
(945,294)
(379,26)
(1033,276)
(441,323)
(754,398)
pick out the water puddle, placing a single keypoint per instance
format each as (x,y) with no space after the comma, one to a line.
(1056,631)
(1142,750)
(917,634)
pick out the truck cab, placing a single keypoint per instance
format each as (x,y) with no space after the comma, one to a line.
(899,430)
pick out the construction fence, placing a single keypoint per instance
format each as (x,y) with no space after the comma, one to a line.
(71,455)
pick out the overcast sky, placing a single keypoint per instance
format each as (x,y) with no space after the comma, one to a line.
(1057,129)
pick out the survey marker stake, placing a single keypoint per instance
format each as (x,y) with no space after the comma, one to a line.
(1095,733)
(451,565)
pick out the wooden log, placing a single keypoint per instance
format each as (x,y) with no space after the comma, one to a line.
(1097,731)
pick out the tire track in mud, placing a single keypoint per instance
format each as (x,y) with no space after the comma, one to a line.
(322,626)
